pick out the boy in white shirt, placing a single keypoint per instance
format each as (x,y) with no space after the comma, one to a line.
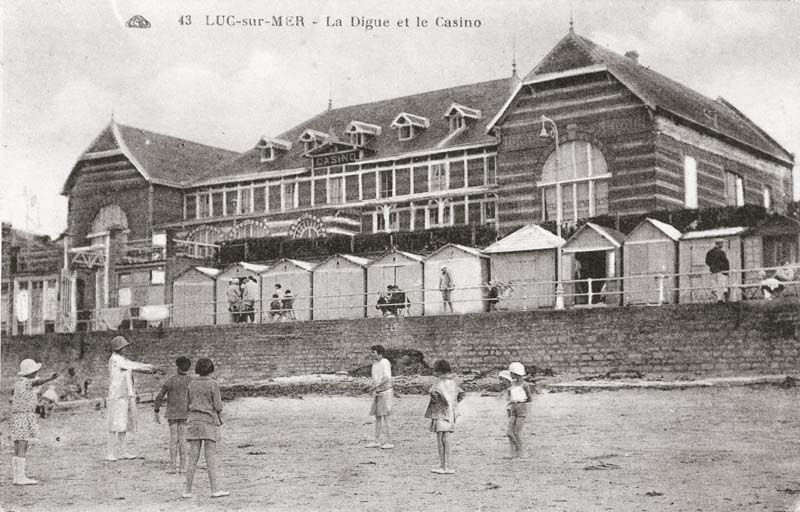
(383,395)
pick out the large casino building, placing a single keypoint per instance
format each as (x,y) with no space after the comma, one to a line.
(630,141)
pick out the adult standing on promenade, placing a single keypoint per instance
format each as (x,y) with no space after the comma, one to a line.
(121,402)
(718,264)
(446,287)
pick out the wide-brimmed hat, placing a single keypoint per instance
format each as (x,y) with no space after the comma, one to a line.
(516,369)
(505,374)
(28,366)
(119,342)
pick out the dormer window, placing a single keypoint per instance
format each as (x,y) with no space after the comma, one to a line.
(460,116)
(311,139)
(360,132)
(270,148)
(409,125)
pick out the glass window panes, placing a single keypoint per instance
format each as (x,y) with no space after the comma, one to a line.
(336,190)
(303,194)
(438,177)
(231,201)
(476,172)
(191,207)
(205,205)
(402,179)
(274,198)
(320,190)
(245,200)
(491,170)
(368,185)
(420,179)
(386,184)
(457,174)
(259,199)
(351,187)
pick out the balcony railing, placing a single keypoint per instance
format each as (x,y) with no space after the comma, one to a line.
(141,251)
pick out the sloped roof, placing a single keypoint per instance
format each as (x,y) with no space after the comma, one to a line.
(469,250)
(776,225)
(361,262)
(161,159)
(410,256)
(659,92)
(612,235)
(210,272)
(526,238)
(713,233)
(488,97)
(665,228)
(297,263)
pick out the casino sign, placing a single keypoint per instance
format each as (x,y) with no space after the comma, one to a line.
(336,152)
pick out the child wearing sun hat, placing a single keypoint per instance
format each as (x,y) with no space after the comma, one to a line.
(23,416)
(519,398)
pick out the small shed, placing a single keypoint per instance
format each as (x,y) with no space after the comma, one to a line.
(340,287)
(772,243)
(469,270)
(193,293)
(695,276)
(650,253)
(525,261)
(237,271)
(596,254)
(292,275)
(402,269)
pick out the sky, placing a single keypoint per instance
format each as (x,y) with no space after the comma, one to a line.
(68,65)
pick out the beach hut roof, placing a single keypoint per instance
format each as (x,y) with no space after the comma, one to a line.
(410,256)
(300,264)
(210,272)
(526,238)
(713,233)
(665,228)
(469,250)
(614,237)
(363,262)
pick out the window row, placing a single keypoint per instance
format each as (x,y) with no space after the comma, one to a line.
(333,187)
(734,187)
(435,213)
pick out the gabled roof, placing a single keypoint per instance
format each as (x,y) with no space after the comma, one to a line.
(527,238)
(210,272)
(362,127)
(303,265)
(272,142)
(361,262)
(461,110)
(663,227)
(404,118)
(614,237)
(713,233)
(575,54)
(408,255)
(250,267)
(160,159)
(488,97)
(469,250)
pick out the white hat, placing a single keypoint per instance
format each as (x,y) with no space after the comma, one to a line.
(516,368)
(505,374)
(119,342)
(28,366)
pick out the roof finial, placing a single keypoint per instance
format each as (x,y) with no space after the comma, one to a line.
(514,56)
(330,93)
(571,21)
(112,113)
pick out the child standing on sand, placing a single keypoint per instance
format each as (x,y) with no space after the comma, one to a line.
(519,398)
(23,416)
(443,412)
(176,389)
(202,427)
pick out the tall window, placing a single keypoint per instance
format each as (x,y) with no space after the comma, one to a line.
(690,182)
(734,189)
(290,195)
(438,177)
(767,195)
(336,189)
(387,184)
(574,183)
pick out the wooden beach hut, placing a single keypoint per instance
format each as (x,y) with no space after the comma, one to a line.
(650,253)
(596,257)
(340,286)
(401,269)
(525,260)
(193,297)
(237,271)
(695,276)
(469,270)
(292,275)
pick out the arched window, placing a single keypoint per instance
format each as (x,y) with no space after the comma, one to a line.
(574,183)
(203,236)
(249,229)
(110,216)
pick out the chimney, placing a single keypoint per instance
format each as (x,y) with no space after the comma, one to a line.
(633,55)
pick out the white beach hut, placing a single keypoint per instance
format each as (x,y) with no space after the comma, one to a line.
(401,269)
(469,270)
(695,278)
(292,275)
(340,286)
(651,253)
(596,254)
(237,271)
(193,293)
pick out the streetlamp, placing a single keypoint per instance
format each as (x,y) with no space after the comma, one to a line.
(546,135)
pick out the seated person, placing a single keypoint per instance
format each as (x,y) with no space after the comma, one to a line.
(383,304)
(492,295)
(275,307)
(773,286)
(397,299)
(288,305)
(73,390)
